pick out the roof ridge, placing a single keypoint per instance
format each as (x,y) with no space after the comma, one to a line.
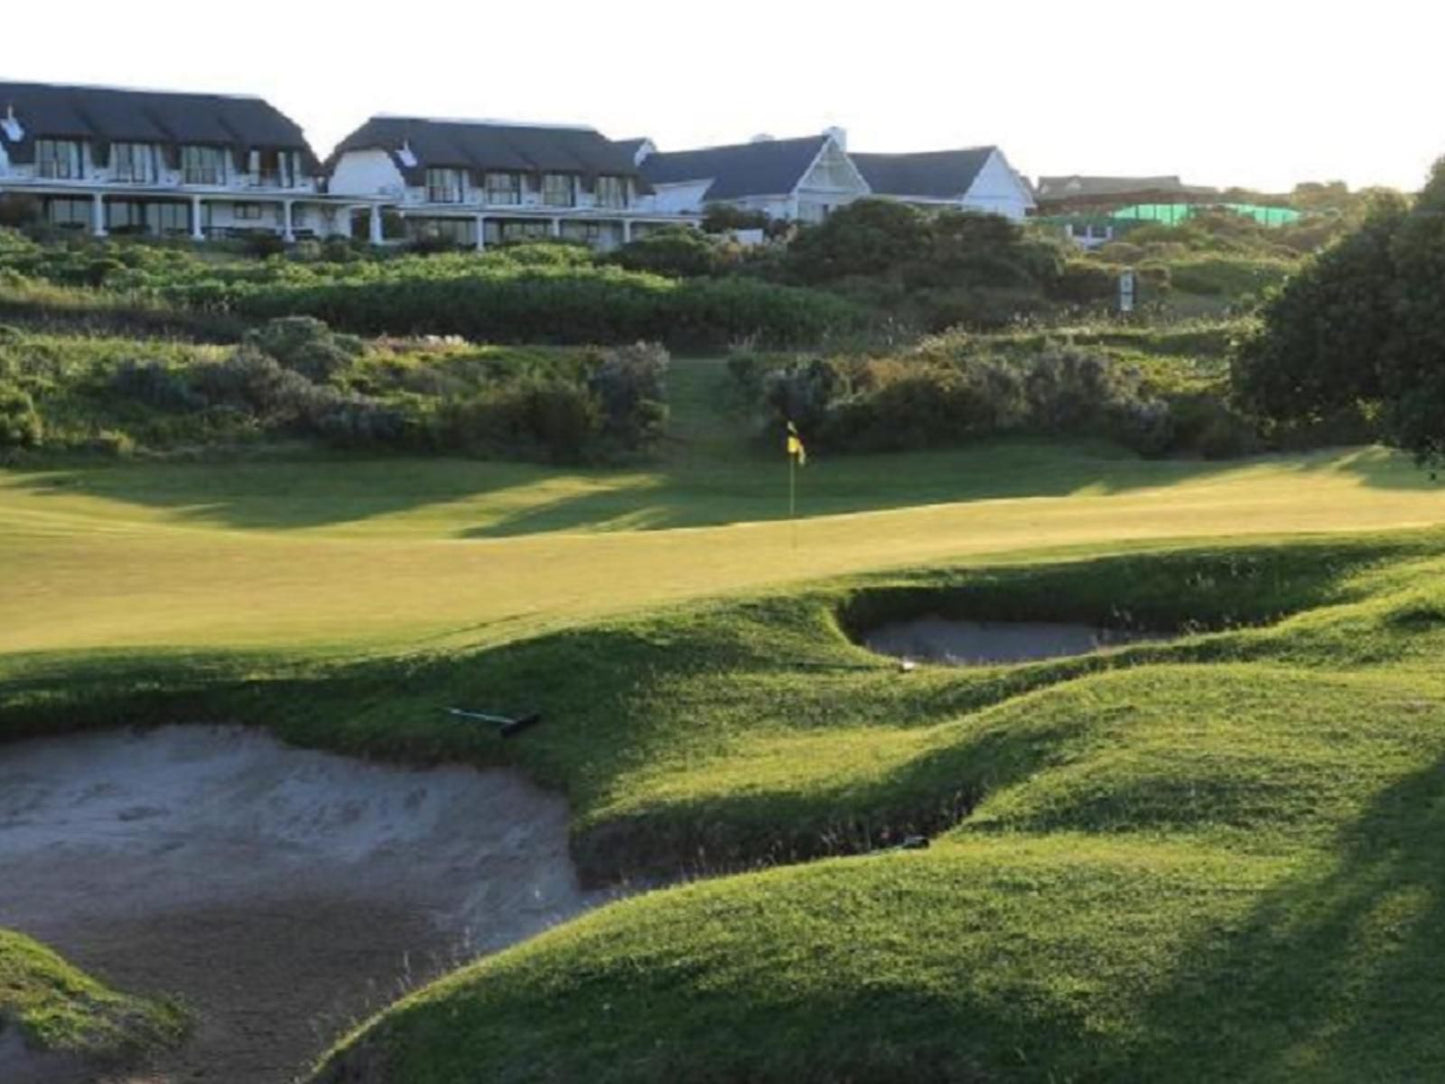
(132,90)
(487,122)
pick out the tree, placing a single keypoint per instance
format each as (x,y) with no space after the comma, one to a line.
(868,237)
(1362,323)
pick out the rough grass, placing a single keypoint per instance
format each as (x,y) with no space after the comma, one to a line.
(60,1009)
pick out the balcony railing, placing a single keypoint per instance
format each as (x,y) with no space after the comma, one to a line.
(57,171)
(212,175)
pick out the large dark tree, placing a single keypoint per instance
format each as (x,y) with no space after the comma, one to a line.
(1362,327)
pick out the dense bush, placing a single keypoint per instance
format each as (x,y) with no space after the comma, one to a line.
(296,379)
(677,252)
(20,424)
(948,391)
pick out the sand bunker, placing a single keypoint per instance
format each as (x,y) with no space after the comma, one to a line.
(975,643)
(281,893)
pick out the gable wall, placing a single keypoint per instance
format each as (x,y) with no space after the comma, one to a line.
(366,173)
(998,190)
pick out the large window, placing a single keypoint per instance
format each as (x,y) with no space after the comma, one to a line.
(246,212)
(276,169)
(203,165)
(450,231)
(559,190)
(125,216)
(611,192)
(446,185)
(504,188)
(58,159)
(169,217)
(69,214)
(133,163)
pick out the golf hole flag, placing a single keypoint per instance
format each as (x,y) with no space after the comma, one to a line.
(795,445)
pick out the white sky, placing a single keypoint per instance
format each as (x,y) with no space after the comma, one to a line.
(1259,94)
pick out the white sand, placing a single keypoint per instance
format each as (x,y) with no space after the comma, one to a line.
(974,643)
(282,893)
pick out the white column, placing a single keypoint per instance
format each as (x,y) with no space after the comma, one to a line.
(197,234)
(556,227)
(375,224)
(627,231)
(97,214)
(481,232)
(287,233)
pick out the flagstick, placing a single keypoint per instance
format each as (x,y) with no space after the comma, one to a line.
(793,497)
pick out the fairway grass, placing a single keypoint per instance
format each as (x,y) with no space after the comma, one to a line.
(352,557)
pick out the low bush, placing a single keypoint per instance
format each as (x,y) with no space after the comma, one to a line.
(295,379)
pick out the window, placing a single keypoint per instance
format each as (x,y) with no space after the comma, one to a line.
(451,231)
(169,217)
(69,214)
(203,165)
(134,163)
(504,188)
(246,212)
(611,192)
(58,159)
(275,169)
(125,216)
(559,190)
(446,185)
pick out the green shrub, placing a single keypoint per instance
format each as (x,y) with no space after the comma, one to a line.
(20,423)
(676,251)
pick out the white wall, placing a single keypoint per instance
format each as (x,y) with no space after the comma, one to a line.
(999,190)
(685,197)
(366,173)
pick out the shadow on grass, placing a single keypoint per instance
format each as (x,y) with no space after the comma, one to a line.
(476,499)
(1333,976)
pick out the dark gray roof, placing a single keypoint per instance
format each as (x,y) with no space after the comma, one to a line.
(630,147)
(108,114)
(927,174)
(483,145)
(1082,187)
(770,167)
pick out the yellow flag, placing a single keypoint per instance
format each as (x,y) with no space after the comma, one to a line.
(795,445)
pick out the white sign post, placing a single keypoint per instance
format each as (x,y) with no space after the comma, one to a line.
(1126,290)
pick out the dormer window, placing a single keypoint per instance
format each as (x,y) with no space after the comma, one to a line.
(611,192)
(559,190)
(446,186)
(274,169)
(57,159)
(133,163)
(203,165)
(504,188)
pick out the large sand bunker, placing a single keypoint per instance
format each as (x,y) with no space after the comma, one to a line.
(976,643)
(280,893)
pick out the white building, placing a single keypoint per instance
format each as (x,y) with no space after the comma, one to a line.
(974,179)
(798,180)
(475,183)
(106,160)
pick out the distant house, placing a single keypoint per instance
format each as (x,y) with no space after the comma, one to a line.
(1057,195)
(798,180)
(1084,208)
(105,160)
(975,179)
(475,183)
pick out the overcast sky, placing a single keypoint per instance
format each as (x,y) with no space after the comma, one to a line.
(1260,94)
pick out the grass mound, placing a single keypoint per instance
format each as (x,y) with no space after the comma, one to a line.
(1207,860)
(61,1010)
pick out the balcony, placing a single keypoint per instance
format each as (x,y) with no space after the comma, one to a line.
(213,176)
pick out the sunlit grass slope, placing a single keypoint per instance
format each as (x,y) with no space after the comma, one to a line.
(59,1009)
(1214,859)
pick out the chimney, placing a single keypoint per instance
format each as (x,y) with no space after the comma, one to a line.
(840,136)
